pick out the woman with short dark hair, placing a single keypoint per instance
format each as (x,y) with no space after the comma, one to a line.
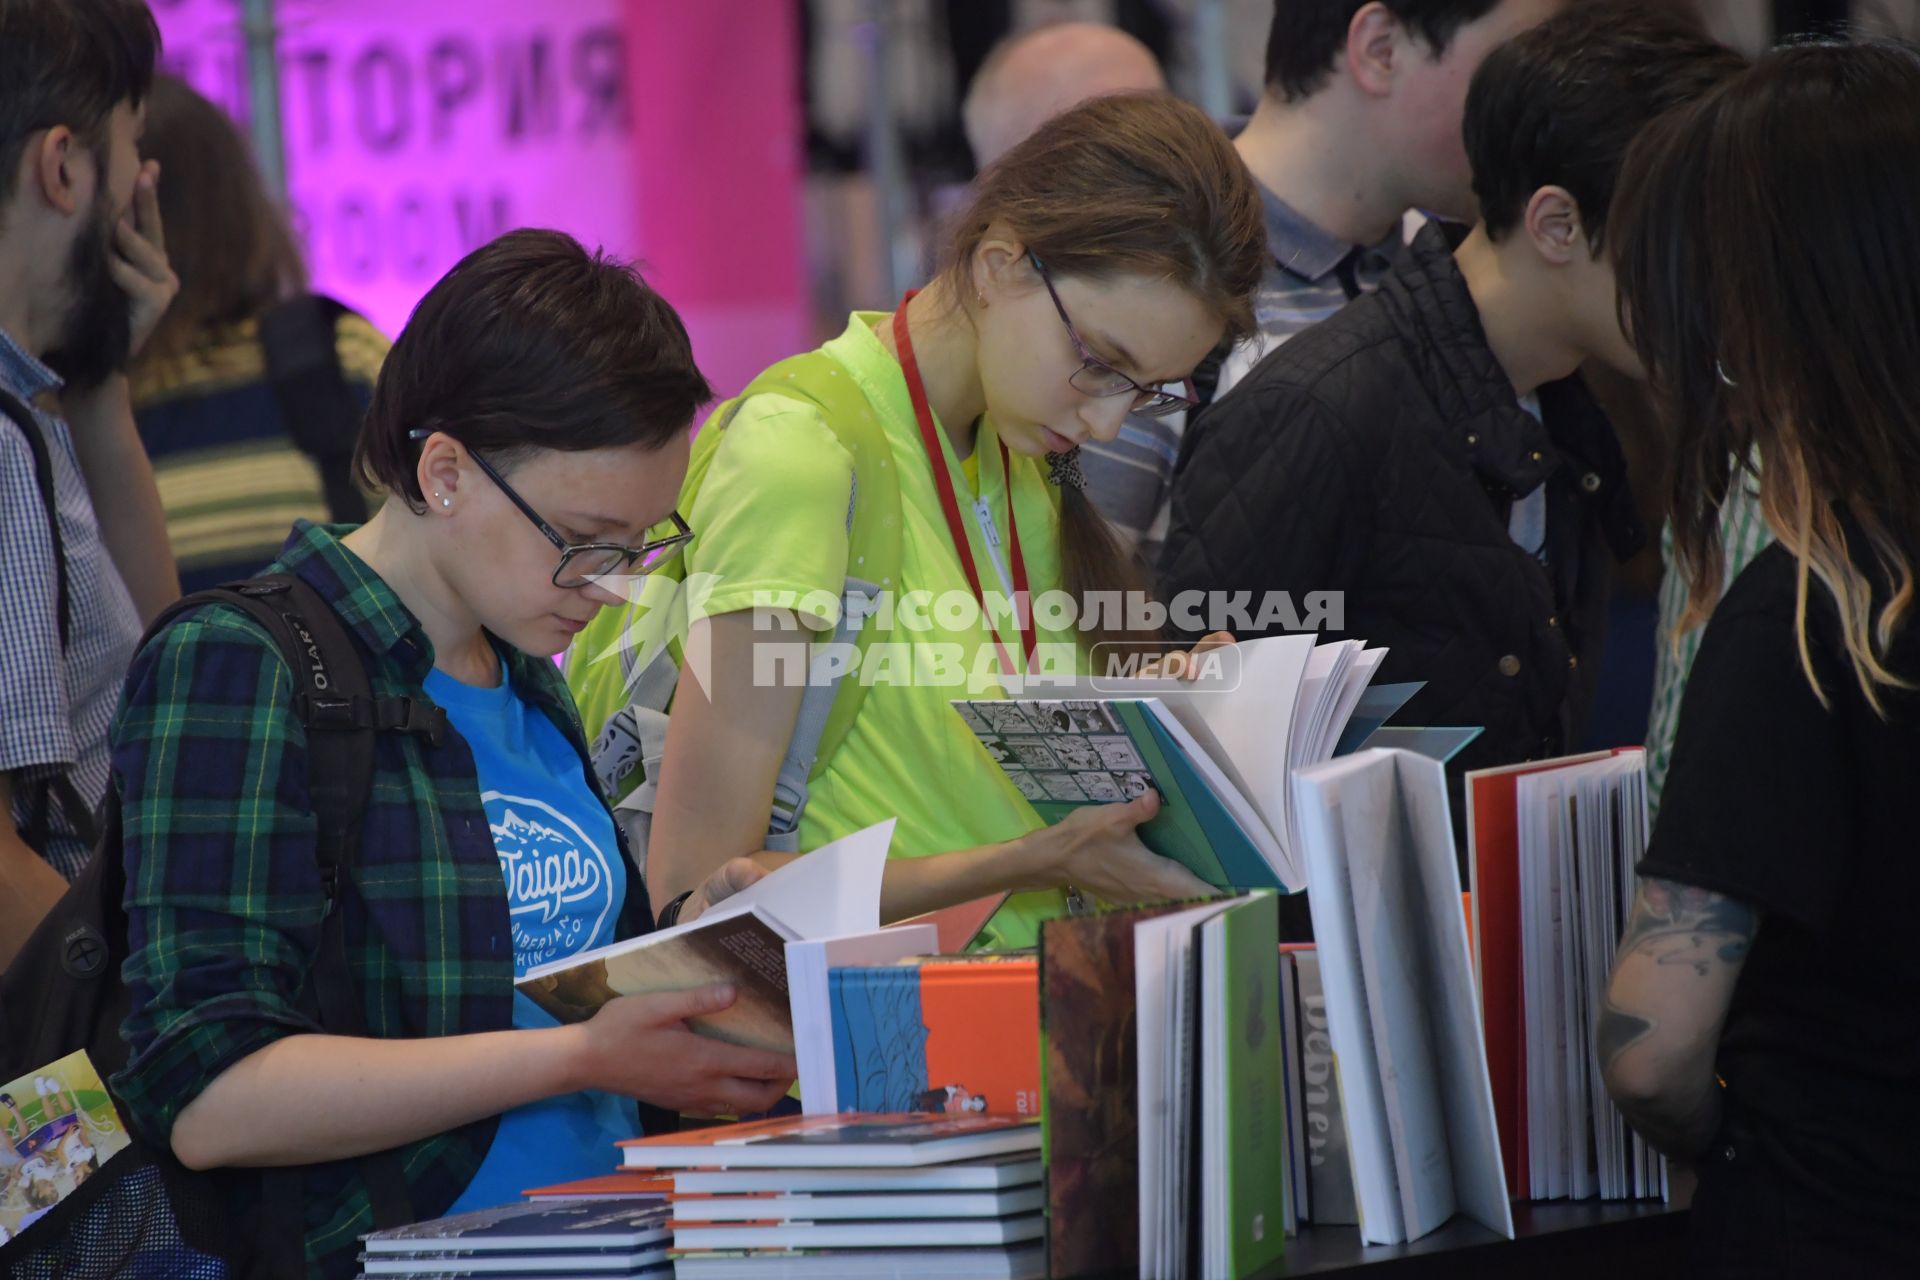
(530,425)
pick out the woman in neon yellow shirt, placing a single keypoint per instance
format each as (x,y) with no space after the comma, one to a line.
(1100,261)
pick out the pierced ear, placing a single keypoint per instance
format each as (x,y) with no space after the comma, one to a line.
(438,473)
(1374,37)
(1553,224)
(56,161)
(997,265)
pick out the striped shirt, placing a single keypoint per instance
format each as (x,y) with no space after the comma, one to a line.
(1313,275)
(1744,534)
(55,707)
(231,479)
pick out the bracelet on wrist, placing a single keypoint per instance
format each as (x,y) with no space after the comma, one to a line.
(670,914)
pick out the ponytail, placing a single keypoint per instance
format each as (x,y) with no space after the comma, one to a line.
(1092,560)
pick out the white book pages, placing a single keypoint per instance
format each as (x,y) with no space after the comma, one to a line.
(1366,664)
(1159,946)
(1534,987)
(1576,1132)
(1452,1000)
(832,892)
(1349,1022)
(1395,965)
(1416,976)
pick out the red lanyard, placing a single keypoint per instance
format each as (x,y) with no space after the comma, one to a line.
(950,504)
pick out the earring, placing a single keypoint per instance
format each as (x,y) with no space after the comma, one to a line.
(445,502)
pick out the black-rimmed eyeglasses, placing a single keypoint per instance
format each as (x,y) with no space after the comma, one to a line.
(1095,377)
(582,563)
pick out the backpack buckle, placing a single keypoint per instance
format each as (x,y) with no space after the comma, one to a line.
(411,716)
(330,713)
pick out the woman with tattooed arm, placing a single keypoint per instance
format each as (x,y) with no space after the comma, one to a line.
(1763,1015)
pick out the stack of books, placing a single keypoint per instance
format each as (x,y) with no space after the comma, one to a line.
(589,1239)
(1552,847)
(904,1196)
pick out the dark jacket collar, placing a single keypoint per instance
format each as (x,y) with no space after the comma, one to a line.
(1511,451)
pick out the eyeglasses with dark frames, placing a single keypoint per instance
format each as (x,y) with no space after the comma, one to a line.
(582,563)
(1095,377)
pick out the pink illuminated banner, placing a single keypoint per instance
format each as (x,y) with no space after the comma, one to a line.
(664,130)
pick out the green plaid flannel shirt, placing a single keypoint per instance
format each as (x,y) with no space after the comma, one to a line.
(223,893)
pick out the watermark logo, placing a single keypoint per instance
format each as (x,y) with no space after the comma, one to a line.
(935,639)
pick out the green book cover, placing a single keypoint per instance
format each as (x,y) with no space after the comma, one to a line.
(1251,1084)
(1065,755)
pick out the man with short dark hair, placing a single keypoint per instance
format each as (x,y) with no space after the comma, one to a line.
(84,279)
(1429,451)
(1359,123)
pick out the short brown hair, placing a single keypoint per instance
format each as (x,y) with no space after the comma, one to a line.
(531,342)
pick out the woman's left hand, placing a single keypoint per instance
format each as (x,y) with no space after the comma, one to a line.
(731,878)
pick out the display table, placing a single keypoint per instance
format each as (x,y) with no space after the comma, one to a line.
(1642,1240)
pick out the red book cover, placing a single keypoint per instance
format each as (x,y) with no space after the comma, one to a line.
(1493,865)
(604,1186)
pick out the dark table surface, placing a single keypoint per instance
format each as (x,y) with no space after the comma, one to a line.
(1634,1240)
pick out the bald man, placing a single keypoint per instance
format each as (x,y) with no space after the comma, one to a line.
(1030,78)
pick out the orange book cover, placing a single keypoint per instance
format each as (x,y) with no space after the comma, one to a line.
(951,1034)
(606,1185)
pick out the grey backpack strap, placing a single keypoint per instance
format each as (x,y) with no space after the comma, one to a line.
(636,735)
(790,790)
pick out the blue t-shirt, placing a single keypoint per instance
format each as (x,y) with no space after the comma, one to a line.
(566,883)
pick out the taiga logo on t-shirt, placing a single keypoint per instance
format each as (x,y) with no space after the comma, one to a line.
(558,880)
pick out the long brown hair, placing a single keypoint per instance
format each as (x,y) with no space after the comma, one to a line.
(227,238)
(1133,184)
(1768,258)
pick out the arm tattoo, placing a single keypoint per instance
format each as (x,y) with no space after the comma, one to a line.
(1673,925)
(1696,936)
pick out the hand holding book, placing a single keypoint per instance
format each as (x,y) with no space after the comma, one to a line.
(1098,850)
(641,1046)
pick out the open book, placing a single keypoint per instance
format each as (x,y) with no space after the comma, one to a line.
(1218,749)
(1400,1006)
(1552,849)
(831,892)
(1165,1112)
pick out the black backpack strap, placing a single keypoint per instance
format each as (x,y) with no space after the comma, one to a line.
(303,368)
(335,702)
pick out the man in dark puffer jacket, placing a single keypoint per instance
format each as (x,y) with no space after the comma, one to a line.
(1430,451)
